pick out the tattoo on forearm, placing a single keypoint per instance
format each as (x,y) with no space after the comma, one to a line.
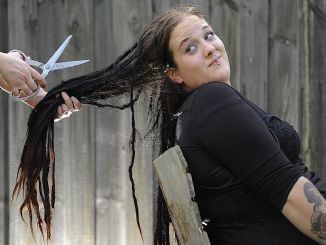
(318,218)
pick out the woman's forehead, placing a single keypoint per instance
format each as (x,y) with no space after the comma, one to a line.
(186,28)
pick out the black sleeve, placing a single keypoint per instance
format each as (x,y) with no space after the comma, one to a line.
(232,131)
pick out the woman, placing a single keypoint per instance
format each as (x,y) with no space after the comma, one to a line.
(249,183)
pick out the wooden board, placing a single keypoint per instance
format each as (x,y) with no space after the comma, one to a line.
(316,87)
(253,48)
(178,191)
(225,20)
(284,59)
(4,178)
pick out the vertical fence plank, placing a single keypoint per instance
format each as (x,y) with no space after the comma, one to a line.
(3,167)
(254,50)
(225,20)
(115,216)
(4,178)
(138,13)
(20,36)
(75,208)
(284,58)
(109,162)
(162,6)
(316,86)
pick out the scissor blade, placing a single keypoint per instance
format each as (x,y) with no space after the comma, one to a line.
(67,64)
(34,62)
(48,66)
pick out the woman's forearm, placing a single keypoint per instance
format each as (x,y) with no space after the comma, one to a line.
(306,209)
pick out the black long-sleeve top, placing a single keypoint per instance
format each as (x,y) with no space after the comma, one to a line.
(239,159)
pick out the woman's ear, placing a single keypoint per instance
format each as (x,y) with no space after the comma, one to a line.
(172,73)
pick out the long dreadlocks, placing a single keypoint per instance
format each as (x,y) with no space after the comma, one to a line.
(139,71)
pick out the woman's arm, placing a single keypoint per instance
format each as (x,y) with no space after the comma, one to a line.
(305,208)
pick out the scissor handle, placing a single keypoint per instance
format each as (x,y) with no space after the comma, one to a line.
(23,56)
(28,96)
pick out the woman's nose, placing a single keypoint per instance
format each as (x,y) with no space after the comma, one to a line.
(209,50)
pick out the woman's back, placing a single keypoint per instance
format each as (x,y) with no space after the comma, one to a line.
(242,177)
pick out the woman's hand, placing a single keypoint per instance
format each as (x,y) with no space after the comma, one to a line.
(65,110)
(17,76)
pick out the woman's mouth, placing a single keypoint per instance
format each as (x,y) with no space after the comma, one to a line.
(216,61)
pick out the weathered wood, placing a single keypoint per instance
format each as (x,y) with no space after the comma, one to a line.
(115,215)
(272,46)
(4,178)
(20,36)
(284,58)
(128,24)
(74,220)
(110,142)
(253,50)
(317,87)
(225,19)
(161,6)
(178,191)
(3,169)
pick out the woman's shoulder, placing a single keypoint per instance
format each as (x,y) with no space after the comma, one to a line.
(215,85)
(209,96)
(213,92)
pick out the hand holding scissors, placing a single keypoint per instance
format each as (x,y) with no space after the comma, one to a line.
(17,76)
(50,65)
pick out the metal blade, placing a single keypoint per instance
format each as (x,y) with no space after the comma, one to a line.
(67,64)
(48,66)
(34,62)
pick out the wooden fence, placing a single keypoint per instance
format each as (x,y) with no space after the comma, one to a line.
(278,58)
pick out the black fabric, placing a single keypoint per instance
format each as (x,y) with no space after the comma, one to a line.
(241,175)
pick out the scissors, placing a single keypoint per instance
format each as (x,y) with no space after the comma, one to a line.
(51,65)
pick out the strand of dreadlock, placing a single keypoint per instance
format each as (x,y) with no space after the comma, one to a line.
(122,107)
(133,153)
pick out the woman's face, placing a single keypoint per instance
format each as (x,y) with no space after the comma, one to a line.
(199,54)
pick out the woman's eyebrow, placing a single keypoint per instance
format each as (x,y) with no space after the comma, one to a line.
(183,41)
(206,27)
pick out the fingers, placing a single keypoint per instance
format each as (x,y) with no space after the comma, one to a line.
(76,102)
(68,102)
(63,111)
(70,105)
(15,91)
(26,88)
(31,84)
(19,75)
(37,77)
(59,111)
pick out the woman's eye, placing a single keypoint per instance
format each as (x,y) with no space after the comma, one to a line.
(210,36)
(191,49)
